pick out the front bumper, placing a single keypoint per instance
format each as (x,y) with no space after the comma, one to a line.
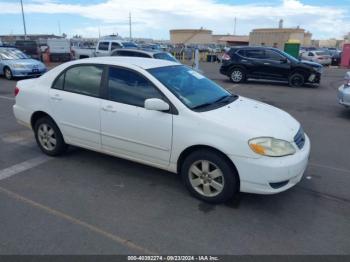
(270,175)
(24,72)
(344,96)
(314,78)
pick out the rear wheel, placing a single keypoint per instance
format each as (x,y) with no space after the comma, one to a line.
(8,73)
(237,75)
(296,80)
(49,137)
(209,176)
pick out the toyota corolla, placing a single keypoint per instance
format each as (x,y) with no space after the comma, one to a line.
(166,115)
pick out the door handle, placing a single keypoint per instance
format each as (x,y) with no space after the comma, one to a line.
(109,108)
(267,64)
(243,60)
(56,97)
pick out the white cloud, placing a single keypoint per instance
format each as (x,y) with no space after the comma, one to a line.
(154,18)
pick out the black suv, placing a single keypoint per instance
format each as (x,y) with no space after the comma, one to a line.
(241,63)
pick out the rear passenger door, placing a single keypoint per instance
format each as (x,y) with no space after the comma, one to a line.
(127,128)
(75,101)
(254,60)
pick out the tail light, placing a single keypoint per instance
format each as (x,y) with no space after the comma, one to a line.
(226,57)
(16,91)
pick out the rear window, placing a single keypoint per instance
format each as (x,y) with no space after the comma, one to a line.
(165,56)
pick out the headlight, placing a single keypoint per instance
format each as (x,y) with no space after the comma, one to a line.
(269,146)
(319,69)
(18,66)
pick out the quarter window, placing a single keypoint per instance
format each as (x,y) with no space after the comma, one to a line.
(58,84)
(128,87)
(84,80)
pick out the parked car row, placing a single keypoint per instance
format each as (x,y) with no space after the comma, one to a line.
(14,63)
(324,56)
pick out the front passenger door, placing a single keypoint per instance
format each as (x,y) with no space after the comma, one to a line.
(275,66)
(127,128)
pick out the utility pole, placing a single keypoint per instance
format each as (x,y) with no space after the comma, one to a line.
(234,30)
(130,34)
(59,27)
(24,22)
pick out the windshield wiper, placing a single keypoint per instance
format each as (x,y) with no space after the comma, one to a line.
(221,99)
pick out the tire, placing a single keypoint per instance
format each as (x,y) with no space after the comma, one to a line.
(209,176)
(296,80)
(237,75)
(8,73)
(48,137)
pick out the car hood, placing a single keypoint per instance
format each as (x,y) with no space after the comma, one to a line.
(26,62)
(255,119)
(309,63)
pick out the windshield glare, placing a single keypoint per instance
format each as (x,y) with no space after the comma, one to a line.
(192,88)
(11,54)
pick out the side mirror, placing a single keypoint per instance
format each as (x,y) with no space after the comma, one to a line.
(156,104)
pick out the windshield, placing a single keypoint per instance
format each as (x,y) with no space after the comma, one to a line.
(129,45)
(321,53)
(193,89)
(165,56)
(292,58)
(11,54)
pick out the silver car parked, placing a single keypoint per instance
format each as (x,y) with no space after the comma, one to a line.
(344,91)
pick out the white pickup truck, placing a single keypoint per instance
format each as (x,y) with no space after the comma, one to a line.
(103,48)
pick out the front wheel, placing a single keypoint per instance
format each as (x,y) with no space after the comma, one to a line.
(209,176)
(8,73)
(296,80)
(49,137)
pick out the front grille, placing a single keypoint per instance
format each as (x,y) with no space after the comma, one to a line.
(299,138)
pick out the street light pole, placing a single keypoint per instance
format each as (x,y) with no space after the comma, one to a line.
(24,22)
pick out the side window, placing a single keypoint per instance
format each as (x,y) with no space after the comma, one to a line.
(115,46)
(103,46)
(255,53)
(58,84)
(84,80)
(310,54)
(272,55)
(128,87)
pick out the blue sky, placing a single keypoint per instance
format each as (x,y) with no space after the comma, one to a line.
(325,19)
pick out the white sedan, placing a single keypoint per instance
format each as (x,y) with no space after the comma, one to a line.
(166,115)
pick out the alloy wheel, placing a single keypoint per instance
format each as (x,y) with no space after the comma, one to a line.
(206,178)
(47,137)
(236,76)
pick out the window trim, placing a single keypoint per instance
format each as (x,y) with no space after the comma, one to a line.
(103,66)
(172,110)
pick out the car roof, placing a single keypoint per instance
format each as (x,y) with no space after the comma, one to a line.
(145,51)
(144,63)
